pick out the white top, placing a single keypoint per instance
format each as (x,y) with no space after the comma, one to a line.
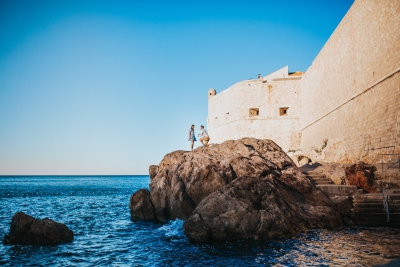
(203,133)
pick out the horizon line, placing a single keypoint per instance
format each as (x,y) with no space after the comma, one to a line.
(5,175)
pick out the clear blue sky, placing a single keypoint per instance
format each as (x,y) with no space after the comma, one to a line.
(110,87)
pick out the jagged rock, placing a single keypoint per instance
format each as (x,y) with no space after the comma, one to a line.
(141,207)
(299,158)
(26,230)
(153,170)
(240,189)
(362,175)
(185,178)
(344,205)
(272,206)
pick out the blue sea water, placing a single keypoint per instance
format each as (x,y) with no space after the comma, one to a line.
(96,209)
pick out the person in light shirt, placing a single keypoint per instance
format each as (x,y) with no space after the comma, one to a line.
(204,137)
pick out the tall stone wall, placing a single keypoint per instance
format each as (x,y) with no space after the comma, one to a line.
(229,115)
(351,94)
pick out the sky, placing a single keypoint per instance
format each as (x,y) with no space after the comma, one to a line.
(110,87)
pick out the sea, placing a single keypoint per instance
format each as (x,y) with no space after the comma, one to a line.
(96,209)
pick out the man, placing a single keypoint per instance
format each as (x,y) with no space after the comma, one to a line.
(204,136)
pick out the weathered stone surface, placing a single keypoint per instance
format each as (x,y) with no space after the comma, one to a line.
(344,205)
(141,207)
(26,230)
(186,178)
(240,189)
(276,205)
(153,170)
(362,175)
(332,170)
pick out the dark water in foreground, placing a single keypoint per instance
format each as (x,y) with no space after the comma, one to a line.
(96,209)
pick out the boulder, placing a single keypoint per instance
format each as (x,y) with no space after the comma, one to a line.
(185,178)
(141,207)
(279,204)
(26,230)
(362,175)
(240,189)
(153,170)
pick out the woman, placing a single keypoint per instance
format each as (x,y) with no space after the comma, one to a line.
(192,137)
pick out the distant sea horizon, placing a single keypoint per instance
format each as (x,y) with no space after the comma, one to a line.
(71,175)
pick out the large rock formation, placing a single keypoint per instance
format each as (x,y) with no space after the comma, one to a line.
(261,208)
(141,207)
(245,189)
(362,175)
(26,230)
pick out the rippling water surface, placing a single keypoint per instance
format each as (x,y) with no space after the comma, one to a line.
(96,209)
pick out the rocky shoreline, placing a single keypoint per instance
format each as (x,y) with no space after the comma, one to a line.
(240,189)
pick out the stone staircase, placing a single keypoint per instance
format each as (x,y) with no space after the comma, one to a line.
(394,207)
(318,179)
(368,210)
(326,184)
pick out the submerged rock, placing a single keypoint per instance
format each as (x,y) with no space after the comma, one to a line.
(362,175)
(240,189)
(26,230)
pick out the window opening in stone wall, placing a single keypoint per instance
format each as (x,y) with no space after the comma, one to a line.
(283,111)
(254,112)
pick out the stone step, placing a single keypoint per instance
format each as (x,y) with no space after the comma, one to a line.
(311,172)
(374,197)
(321,179)
(394,208)
(323,182)
(388,184)
(393,192)
(317,176)
(395,215)
(333,189)
(381,217)
(366,201)
(394,196)
(370,217)
(380,209)
(368,204)
(373,224)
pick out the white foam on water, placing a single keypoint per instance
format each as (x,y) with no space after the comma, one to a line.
(173,230)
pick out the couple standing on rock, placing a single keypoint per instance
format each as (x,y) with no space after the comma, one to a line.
(204,136)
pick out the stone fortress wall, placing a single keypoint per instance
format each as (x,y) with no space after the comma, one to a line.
(252,108)
(345,108)
(351,93)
